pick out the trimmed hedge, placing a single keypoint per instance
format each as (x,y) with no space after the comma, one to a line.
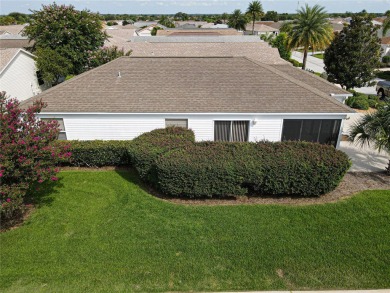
(97,153)
(221,169)
(146,148)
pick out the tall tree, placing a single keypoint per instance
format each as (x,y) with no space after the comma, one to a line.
(386,23)
(311,29)
(69,32)
(374,128)
(354,54)
(255,12)
(238,20)
(166,21)
(224,17)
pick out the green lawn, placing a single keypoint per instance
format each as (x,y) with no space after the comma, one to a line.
(319,56)
(100,232)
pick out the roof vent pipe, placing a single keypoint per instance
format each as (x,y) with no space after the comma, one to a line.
(119,74)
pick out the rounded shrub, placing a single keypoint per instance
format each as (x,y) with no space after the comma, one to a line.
(97,153)
(220,169)
(358,102)
(147,147)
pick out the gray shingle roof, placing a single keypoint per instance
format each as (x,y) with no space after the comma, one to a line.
(261,52)
(186,85)
(198,39)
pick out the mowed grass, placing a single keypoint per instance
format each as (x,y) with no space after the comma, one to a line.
(100,232)
(319,56)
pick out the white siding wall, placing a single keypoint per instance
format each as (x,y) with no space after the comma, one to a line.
(19,79)
(129,126)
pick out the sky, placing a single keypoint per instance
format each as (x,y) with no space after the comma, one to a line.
(194,7)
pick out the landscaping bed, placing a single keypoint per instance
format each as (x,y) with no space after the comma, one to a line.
(100,232)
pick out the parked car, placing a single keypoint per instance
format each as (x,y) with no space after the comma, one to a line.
(383,89)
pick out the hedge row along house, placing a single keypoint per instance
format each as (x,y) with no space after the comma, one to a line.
(219,98)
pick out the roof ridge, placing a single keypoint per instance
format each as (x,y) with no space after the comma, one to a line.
(314,76)
(62,84)
(300,83)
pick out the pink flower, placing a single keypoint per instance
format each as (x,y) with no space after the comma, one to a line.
(8,200)
(53,178)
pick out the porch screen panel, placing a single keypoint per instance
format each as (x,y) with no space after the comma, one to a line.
(291,129)
(240,130)
(222,130)
(310,128)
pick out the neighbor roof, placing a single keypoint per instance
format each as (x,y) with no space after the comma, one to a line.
(198,31)
(261,52)
(198,39)
(6,55)
(260,28)
(13,29)
(15,41)
(385,41)
(186,85)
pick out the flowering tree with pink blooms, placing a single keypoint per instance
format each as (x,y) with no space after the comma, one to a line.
(69,32)
(27,156)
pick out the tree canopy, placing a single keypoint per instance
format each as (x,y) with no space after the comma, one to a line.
(71,33)
(255,12)
(311,30)
(238,20)
(354,54)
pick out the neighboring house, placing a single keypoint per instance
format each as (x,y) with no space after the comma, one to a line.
(260,52)
(260,29)
(147,31)
(219,98)
(18,74)
(142,24)
(177,32)
(198,39)
(385,45)
(190,24)
(119,35)
(15,29)
(14,41)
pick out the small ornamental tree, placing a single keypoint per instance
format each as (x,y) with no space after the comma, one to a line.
(27,156)
(354,54)
(71,33)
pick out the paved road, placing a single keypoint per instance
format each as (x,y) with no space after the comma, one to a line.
(312,63)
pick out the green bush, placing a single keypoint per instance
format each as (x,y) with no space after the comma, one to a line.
(97,153)
(146,148)
(358,102)
(386,59)
(295,63)
(214,169)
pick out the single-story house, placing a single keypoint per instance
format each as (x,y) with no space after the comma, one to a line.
(18,74)
(173,32)
(219,98)
(197,39)
(147,31)
(385,45)
(260,29)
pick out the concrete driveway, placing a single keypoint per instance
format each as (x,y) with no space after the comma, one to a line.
(364,159)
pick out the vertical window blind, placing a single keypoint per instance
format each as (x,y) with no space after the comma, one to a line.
(231,130)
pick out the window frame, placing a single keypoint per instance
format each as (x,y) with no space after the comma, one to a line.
(176,119)
(231,129)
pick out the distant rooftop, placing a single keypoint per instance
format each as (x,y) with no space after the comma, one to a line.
(197,39)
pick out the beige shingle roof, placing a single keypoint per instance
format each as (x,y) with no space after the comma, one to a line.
(13,29)
(261,52)
(6,56)
(260,28)
(186,85)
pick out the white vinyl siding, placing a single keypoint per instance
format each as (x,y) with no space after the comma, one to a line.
(19,79)
(128,126)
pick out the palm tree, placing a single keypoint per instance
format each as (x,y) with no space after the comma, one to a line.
(374,128)
(238,20)
(255,11)
(310,30)
(386,24)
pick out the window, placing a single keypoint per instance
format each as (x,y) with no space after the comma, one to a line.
(62,134)
(325,131)
(231,130)
(40,78)
(176,123)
